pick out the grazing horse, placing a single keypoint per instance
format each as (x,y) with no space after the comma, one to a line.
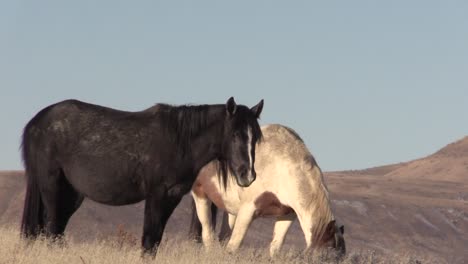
(74,150)
(289,184)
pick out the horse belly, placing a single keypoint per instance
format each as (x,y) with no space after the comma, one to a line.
(106,188)
(268,204)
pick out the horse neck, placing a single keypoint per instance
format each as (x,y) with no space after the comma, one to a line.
(207,145)
(321,208)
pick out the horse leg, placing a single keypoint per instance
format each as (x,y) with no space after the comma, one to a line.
(243,220)
(231,221)
(60,202)
(226,226)
(214,214)
(305,220)
(195,229)
(282,225)
(50,190)
(159,206)
(203,206)
(69,202)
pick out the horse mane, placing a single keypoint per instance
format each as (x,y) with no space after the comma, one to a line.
(158,108)
(321,207)
(324,216)
(223,172)
(183,122)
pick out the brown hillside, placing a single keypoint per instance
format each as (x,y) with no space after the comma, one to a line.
(448,164)
(376,171)
(456,149)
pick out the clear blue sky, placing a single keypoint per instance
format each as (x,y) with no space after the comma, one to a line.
(365,83)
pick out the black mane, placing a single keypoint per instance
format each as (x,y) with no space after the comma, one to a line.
(186,121)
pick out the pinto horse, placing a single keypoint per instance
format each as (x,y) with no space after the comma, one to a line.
(74,150)
(289,185)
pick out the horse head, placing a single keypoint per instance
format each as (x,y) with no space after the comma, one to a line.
(333,238)
(241,133)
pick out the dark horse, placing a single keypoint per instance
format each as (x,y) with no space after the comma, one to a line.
(73,150)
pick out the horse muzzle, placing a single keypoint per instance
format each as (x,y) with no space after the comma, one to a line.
(245,177)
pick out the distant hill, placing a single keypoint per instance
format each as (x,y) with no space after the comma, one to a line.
(419,206)
(448,164)
(376,171)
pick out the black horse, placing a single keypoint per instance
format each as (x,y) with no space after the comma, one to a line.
(72,150)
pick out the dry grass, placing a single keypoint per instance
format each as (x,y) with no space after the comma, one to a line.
(122,249)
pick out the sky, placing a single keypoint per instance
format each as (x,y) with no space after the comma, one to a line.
(365,83)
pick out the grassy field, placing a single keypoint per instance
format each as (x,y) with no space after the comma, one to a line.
(124,249)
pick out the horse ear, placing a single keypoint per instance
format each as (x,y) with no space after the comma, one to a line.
(231,106)
(342,229)
(257,110)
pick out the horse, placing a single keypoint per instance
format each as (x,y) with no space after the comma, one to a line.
(289,185)
(73,150)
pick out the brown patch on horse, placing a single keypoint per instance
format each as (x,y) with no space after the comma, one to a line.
(204,186)
(267,204)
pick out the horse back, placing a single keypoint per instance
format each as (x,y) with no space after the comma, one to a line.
(103,152)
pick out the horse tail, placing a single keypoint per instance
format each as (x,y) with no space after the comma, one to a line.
(36,167)
(33,212)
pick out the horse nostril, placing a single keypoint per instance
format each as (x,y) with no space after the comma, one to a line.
(242,170)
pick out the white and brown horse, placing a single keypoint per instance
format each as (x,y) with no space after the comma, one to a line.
(289,185)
